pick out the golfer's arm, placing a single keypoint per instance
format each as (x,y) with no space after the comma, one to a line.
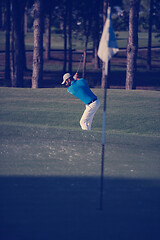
(76,76)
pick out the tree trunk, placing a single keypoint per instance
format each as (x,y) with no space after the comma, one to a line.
(25,21)
(65,36)
(150,36)
(13,77)
(96,35)
(7,81)
(95,54)
(132,46)
(84,62)
(48,32)
(85,49)
(17,80)
(70,36)
(23,34)
(0,15)
(37,74)
(88,24)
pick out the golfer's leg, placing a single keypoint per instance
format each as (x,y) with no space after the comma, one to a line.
(94,106)
(90,121)
(84,120)
(87,118)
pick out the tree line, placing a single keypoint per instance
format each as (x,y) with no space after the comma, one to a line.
(69,15)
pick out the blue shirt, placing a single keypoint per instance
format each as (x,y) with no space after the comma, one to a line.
(80,89)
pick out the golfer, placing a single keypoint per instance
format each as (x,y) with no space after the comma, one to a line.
(80,89)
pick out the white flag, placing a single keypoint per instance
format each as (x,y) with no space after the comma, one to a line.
(108,45)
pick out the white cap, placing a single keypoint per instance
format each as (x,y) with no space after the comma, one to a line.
(65,77)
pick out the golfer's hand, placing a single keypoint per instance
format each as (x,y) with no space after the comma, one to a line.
(75,76)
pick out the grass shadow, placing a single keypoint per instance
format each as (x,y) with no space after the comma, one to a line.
(66,208)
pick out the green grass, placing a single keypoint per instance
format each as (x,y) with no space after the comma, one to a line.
(41,117)
(50,168)
(44,123)
(122,38)
(133,112)
(78,40)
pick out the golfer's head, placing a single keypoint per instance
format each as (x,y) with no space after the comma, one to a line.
(67,79)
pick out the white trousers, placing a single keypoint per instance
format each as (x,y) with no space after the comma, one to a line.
(87,117)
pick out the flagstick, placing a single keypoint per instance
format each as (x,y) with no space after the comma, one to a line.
(103,142)
(107,48)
